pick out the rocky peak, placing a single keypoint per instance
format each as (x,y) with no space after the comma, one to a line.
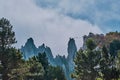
(72,49)
(30,40)
(41,49)
(29,48)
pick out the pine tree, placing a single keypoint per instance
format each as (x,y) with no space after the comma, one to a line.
(55,73)
(7,38)
(86,62)
(35,69)
(109,65)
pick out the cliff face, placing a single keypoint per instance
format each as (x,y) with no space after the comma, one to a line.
(29,50)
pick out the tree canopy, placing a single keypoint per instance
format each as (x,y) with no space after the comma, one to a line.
(93,63)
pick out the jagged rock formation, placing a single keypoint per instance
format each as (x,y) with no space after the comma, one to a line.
(67,63)
(29,50)
(72,49)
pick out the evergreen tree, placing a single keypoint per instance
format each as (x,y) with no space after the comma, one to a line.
(114,47)
(14,63)
(86,62)
(50,72)
(105,64)
(7,38)
(42,58)
(55,73)
(35,70)
(109,65)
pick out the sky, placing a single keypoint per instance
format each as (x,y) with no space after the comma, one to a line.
(53,22)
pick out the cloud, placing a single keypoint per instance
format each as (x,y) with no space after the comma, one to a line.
(44,25)
(104,13)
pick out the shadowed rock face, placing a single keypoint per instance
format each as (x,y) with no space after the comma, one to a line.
(29,50)
(72,49)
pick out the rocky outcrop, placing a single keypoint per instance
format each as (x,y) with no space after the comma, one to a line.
(67,62)
(72,49)
(101,39)
(29,50)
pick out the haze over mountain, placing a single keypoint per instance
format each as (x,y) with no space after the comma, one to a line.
(44,25)
(29,50)
(53,21)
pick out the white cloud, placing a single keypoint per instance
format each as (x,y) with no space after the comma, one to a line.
(44,25)
(104,13)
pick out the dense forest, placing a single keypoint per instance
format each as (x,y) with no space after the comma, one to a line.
(98,60)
